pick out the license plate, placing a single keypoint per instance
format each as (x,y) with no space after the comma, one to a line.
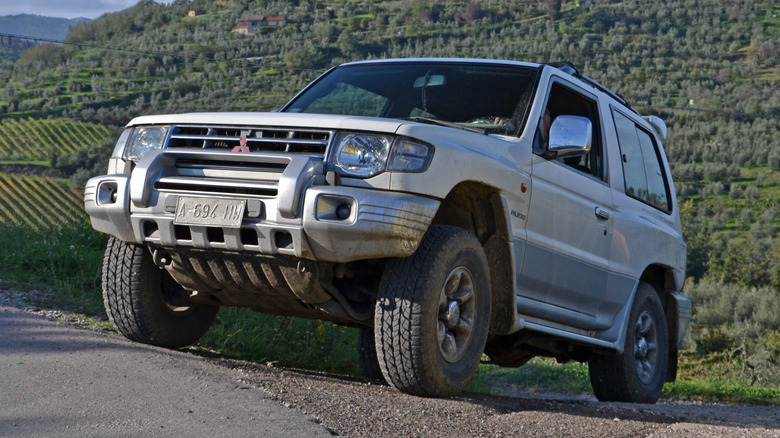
(217,212)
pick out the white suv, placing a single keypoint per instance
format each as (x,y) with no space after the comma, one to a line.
(445,207)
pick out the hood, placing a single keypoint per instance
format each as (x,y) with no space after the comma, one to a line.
(291,120)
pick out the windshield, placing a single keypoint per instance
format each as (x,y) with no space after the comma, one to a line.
(492,97)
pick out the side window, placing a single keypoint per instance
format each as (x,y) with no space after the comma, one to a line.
(642,169)
(565,101)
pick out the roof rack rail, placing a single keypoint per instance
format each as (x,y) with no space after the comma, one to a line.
(568,67)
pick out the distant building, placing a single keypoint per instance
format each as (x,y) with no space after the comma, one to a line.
(249,25)
(194,13)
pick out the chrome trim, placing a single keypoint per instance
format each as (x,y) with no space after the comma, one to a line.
(211,183)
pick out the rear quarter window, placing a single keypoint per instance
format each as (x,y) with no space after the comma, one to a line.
(645,179)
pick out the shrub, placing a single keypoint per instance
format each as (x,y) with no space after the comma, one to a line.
(774,162)
(713,340)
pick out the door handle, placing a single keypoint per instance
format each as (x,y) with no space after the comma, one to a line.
(602,214)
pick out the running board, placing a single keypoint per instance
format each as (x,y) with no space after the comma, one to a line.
(523,323)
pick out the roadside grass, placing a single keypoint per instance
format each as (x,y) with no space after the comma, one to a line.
(61,266)
(60,269)
(539,375)
(545,376)
(283,340)
(733,393)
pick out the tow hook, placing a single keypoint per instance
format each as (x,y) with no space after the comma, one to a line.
(160,258)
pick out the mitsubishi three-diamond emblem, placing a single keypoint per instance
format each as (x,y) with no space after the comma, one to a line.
(242,147)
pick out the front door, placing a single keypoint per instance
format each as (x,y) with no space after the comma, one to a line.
(565,270)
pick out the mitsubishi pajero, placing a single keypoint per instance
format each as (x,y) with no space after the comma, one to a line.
(447,208)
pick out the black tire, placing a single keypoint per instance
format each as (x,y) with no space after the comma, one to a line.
(145,304)
(637,375)
(433,313)
(369,365)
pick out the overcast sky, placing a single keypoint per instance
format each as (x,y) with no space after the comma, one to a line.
(66,8)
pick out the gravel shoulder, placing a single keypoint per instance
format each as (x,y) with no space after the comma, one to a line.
(357,407)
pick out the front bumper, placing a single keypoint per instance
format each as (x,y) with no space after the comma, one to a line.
(379,224)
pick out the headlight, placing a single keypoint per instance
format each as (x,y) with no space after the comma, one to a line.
(367,155)
(144,139)
(361,155)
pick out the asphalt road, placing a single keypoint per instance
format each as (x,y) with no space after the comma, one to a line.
(61,381)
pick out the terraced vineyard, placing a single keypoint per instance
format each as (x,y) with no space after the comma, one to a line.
(36,140)
(29,144)
(38,201)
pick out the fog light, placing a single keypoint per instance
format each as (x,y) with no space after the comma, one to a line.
(334,208)
(343,211)
(107,193)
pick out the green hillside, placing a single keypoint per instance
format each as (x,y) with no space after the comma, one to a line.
(710,68)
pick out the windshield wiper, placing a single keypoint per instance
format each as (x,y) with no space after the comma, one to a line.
(438,122)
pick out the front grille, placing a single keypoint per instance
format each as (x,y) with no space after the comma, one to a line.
(279,140)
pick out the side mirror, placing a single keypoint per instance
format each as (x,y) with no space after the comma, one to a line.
(570,136)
